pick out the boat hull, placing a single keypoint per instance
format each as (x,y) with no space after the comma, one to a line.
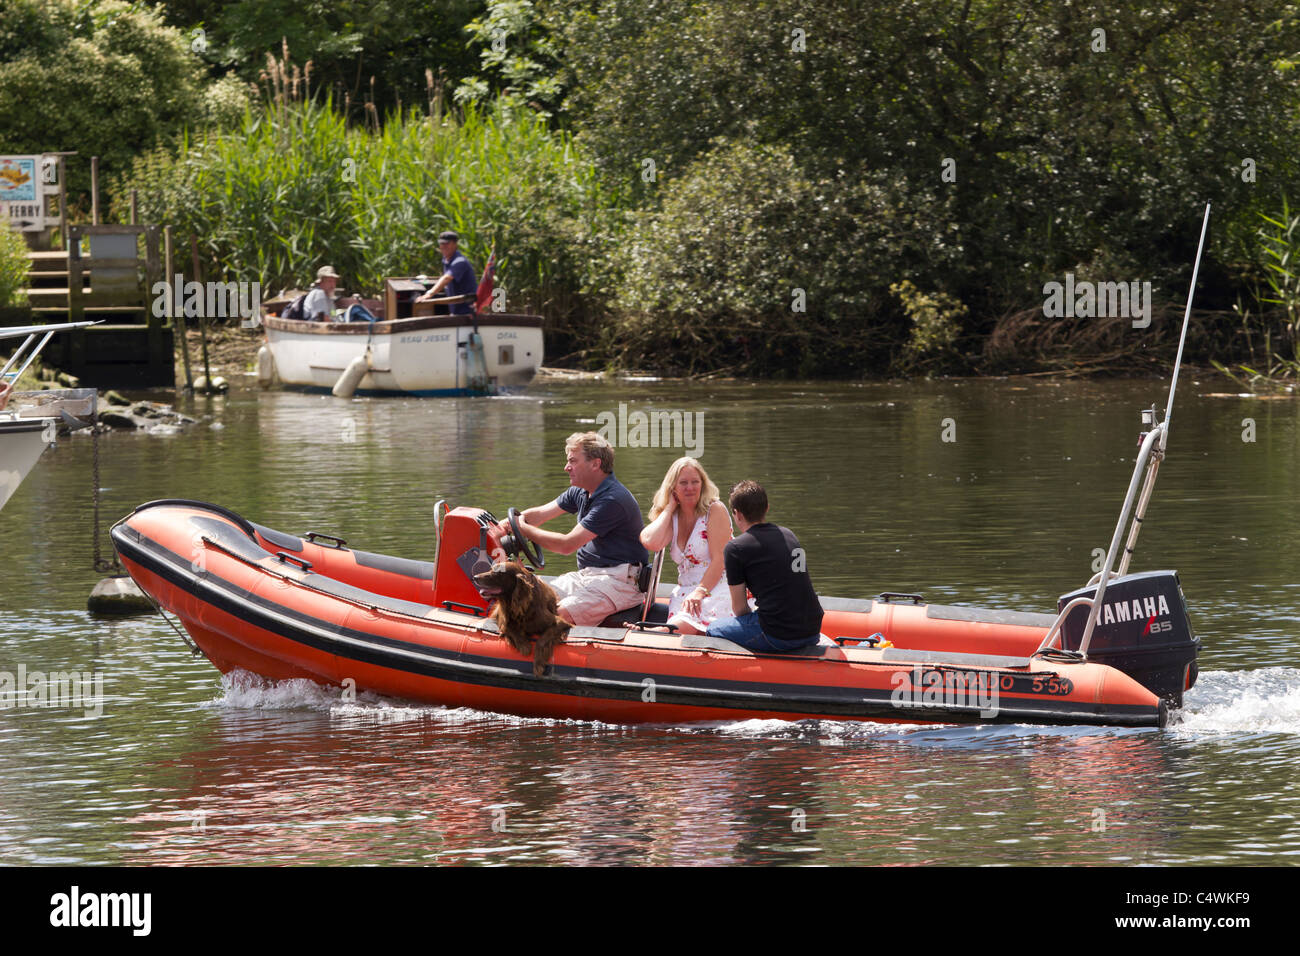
(22,440)
(284,607)
(419,356)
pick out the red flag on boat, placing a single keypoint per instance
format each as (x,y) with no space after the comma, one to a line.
(485,285)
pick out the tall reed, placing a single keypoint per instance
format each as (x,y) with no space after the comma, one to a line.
(296,186)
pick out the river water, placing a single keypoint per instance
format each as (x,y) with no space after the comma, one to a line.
(992,493)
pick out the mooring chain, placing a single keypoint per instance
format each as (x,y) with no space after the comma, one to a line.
(194,648)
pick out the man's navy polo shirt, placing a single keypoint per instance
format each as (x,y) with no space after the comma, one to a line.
(612,514)
(462,282)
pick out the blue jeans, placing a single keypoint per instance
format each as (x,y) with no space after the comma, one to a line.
(747,632)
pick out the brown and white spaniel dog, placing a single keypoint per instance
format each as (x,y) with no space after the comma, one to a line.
(525,608)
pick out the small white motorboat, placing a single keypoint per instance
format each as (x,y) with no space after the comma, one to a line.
(431,355)
(480,353)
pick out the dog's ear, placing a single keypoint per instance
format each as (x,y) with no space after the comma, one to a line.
(521,595)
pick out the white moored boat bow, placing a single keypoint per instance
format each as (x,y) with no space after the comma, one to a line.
(23,436)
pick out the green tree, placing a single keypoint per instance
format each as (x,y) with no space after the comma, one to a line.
(106,78)
(518,58)
(1073,137)
(752,263)
(360,50)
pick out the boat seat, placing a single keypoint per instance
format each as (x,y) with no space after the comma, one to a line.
(290,542)
(948,657)
(702,642)
(629,616)
(233,540)
(600,633)
(846,604)
(812,650)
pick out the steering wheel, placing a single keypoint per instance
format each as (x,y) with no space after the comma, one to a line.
(530,551)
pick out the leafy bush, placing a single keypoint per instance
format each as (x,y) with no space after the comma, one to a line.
(753,263)
(936,323)
(1278,261)
(13,266)
(225,101)
(1280,247)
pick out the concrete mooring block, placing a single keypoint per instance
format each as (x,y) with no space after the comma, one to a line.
(118,596)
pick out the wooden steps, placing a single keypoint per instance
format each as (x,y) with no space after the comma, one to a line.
(111,283)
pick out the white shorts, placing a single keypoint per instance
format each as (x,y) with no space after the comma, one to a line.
(592,594)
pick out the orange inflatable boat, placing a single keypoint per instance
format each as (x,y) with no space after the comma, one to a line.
(284,606)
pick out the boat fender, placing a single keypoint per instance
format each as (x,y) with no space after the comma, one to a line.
(265,367)
(352,376)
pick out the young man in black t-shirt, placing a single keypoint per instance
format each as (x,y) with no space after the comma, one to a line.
(766,559)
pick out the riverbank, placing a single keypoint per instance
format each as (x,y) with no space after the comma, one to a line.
(232,353)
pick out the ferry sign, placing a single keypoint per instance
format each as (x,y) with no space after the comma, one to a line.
(21,194)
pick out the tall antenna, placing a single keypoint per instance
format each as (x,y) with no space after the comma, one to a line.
(1182,339)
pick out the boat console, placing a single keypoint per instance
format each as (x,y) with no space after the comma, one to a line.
(469,543)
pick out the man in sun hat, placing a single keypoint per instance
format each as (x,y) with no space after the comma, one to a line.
(457,275)
(320,300)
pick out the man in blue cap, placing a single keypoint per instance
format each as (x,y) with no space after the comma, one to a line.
(457,276)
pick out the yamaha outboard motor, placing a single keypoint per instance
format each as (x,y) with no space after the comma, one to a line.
(1142,629)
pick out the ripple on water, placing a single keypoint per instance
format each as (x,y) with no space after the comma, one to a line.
(242,690)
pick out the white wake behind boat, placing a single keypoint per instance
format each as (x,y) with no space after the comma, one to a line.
(426,355)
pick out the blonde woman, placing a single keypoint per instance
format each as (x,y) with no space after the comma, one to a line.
(688,516)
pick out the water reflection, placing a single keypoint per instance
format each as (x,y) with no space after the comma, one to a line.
(386,783)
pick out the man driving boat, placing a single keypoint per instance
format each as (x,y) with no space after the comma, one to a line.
(457,276)
(606,537)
